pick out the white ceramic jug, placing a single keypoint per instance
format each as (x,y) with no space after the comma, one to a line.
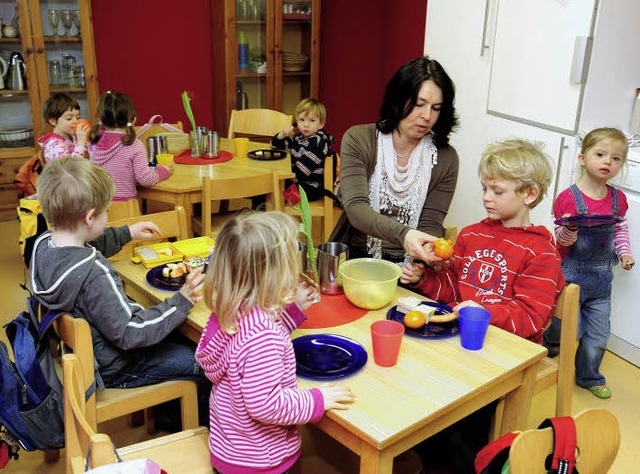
(4,68)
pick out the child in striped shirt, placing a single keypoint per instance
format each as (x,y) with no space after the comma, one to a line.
(589,253)
(256,300)
(114,146)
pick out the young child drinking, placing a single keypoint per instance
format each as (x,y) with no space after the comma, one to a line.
(309,145)
(590,253)
(503,263)
(132,344)
(114,146)
(69,137)
(256,300)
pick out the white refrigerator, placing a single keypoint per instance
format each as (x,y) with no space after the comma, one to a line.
(545,71)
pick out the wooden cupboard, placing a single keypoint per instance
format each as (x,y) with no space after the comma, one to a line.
(280,34)
(40,45)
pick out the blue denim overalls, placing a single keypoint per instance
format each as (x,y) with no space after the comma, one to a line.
(589,264)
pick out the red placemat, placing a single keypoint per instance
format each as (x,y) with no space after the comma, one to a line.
(187,160)
(333,310)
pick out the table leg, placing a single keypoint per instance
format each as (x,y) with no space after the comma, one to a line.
(373,461)
(518,403)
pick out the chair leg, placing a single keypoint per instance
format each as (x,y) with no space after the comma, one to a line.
(137,418)
(189,409)
(151,421)
(51,456)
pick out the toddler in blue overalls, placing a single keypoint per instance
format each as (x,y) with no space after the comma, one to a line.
(591,246)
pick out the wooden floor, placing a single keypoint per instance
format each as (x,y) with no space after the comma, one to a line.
(623,378)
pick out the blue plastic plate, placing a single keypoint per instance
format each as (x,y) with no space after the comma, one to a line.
(327,356)
(589,220)
(428,331)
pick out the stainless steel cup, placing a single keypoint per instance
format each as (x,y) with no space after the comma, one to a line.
(211,145)
(154,147)
(330,256)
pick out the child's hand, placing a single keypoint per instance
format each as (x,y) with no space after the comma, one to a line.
(336,396)
(570,227)
(192,288)
(82,132)
(144,230)
(411,272)
(305,295)
(169,168)
(627,262)
(287,132)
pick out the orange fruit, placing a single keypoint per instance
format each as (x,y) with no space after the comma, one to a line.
(81,123)
(414,319)
(443,248)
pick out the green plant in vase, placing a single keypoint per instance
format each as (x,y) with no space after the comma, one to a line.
(195,145)
(296,197)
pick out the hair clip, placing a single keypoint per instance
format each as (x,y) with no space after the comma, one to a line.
(129,124)
(100,123)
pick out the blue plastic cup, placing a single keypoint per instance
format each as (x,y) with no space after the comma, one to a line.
(474,323)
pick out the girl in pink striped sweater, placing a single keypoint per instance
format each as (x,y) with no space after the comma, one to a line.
(253,290)
(114,146)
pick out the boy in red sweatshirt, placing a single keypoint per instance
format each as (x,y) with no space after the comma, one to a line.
(503,263)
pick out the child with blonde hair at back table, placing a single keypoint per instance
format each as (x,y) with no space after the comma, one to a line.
(503,263)
(256,300)
(69,137)
(114,146)
(590,253)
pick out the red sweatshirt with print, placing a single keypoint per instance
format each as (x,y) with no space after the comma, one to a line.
(514,272)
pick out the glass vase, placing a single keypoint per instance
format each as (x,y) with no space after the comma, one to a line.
(195,144)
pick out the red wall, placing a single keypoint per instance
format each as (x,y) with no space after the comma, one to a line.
(153,50)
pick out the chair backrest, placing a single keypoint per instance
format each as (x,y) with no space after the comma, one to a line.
(171,223)
(241,187)
(257,123)
(567,309)
(75,334)
(123,209)
(79,432)
(451,233)
(598,439)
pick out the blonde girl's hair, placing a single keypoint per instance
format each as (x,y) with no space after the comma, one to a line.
(312,107)
(517,160)
(254,264)
(599,134)
(115,110)
(70,187)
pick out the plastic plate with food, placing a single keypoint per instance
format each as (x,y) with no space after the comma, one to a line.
(443,324)
(267,154)
(587,220)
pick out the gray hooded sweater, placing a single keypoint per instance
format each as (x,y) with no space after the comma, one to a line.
(81,281)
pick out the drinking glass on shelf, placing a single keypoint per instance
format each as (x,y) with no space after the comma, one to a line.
(67,21)
(76,21)
(54,20)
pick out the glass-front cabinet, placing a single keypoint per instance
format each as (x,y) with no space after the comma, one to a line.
(46,46)
(266,54)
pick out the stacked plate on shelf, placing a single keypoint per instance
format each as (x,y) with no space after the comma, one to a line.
(16,137)
(294,62)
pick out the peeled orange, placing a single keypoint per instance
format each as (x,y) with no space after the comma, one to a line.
(443,248)
(414,319)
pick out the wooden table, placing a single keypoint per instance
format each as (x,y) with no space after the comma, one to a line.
(184,186)
(434,384)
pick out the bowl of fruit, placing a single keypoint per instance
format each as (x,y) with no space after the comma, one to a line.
(369,283)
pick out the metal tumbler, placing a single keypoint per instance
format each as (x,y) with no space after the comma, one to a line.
(154,147)
(211,145)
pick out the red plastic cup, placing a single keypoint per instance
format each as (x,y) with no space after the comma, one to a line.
(386,337)
(474,323)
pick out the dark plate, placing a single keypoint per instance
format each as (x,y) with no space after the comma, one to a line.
(327,356)
(267,155)
(431,330)
(589,220)
(155,279)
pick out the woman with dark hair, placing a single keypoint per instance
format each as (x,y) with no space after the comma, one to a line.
(398,176)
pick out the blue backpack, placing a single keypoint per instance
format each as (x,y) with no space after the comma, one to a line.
(31,398)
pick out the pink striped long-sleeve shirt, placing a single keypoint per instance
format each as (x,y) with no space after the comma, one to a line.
(255,403)
(565,204)
(127,164)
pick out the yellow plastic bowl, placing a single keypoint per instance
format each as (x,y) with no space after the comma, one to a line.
(369,283)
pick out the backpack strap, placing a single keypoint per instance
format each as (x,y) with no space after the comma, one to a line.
(563,458)
(492,457)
